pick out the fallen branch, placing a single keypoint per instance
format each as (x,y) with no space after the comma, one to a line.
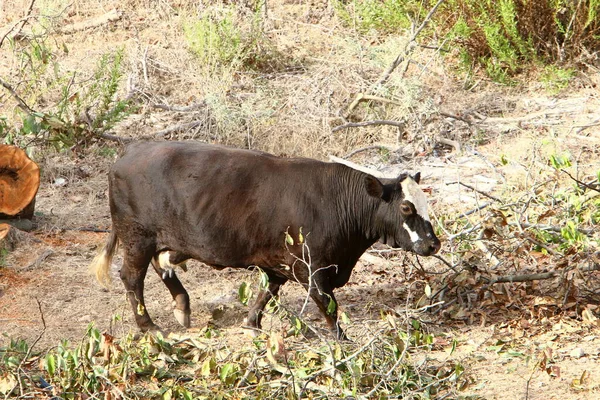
(111,16)
(178,128)
(23,21)
(537,277)
(22,105)
(373,147)
(34,265)
(367,97)
(29,350)
(191,107)
(457,117)
(550,228)
(114,138)
(489,196)
(450,142)
(368,123)
(586,185)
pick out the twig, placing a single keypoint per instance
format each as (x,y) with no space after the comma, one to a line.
(20,369)
(191,107)
(22,105)
(366,97)
(457,117)
(144,66)
(537,277)
(114,138)
(450,142)
(407,47)
(489,196)
(23,21)
(178,128)
(368,123)
(373,147)
(581,128)
(442,259)
(111,16)
(479,208)
(586,185)
(47,253)
(551,228)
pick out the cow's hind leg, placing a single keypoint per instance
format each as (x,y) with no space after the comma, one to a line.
(181,299)
(135,266)
(255,313)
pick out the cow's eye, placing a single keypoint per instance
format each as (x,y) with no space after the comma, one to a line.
(405,209)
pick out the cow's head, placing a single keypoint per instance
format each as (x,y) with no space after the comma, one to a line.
(402,217)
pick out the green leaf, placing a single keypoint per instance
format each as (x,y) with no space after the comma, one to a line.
(331,307)
(50,364)
(264,279)
(288,239)
(225,371)
(416,324)
(244,293)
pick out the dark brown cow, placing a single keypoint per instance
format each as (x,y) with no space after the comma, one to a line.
(227,207)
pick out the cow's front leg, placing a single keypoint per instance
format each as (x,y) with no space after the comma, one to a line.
(322,294)
(255,313)
(181,299)
(133,274)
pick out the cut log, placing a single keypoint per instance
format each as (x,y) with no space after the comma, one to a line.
(19,183)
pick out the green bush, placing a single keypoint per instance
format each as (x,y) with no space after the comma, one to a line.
(504,37)
(226,36)
(387,16)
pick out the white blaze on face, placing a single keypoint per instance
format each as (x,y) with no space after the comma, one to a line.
(414,236)
(414,194)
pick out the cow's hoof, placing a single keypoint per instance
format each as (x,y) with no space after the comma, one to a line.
(182,317)
(251,331)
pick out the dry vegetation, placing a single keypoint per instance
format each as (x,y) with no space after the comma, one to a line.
(509,308)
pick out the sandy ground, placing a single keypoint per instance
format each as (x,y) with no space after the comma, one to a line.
(510,352)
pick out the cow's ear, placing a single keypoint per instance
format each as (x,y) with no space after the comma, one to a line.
(417,177)
(374,186)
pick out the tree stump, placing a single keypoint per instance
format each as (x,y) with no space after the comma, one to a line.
(19,183)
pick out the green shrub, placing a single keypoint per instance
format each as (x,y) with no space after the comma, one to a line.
(225,36)
(388,16)
(504,37)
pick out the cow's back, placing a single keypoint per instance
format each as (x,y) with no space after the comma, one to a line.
(220,205)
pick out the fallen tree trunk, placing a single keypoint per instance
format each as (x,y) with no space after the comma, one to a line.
(19,183)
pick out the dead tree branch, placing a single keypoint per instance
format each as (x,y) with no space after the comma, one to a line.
(111,16)
(22,105)
(537,277)
(407,48)
(191,107)
(586,185)
(368,123)
(178,128)
(489,196)
(23,21)
(28,354)
(373,147)
(550,228)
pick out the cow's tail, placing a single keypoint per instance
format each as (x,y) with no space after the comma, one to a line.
(100,266)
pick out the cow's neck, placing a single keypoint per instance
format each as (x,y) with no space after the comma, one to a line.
(356,208)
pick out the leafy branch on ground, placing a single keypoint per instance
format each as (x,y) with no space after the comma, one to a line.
(202,366)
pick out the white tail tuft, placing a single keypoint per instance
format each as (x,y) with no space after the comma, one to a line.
(100,266)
